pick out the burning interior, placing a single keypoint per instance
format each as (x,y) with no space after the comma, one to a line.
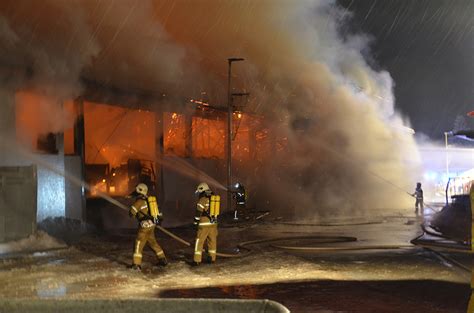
(116,146)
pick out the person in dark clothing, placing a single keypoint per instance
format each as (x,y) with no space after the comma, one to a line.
(240,198)
(418,194)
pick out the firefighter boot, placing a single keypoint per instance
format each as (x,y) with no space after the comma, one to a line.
(162,262)
(136,267)
(207,258)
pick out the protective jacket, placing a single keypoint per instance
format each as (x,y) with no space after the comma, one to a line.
(140,211)
(202,216)
(418,193)
(240,195)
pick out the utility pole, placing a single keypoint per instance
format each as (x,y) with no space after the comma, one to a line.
(230,112)
(446,153)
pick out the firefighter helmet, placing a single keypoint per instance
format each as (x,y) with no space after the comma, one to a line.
(203,187)
(142,189)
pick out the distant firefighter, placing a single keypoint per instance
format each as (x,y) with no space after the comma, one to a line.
(145,210)
(207,211)
(240,197)
(418,194)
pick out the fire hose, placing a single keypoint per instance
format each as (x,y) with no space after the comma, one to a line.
(331,224)
(435,244)
(323,239)
(186,243)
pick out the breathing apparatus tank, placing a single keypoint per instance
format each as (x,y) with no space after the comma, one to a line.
(215,206)
(153,207)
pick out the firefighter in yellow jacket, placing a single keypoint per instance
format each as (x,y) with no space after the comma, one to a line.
(145,210)
(207,211)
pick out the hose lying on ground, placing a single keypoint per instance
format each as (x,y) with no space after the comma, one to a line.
(244,245)
(449,260)
(434,246)
(331,224)
(224,255)
(336,249)
(327,239)
(445,246)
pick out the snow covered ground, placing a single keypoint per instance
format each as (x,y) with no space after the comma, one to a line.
(96,268)
(38,241)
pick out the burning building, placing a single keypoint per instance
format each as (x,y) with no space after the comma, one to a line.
(114,93)
(113,145)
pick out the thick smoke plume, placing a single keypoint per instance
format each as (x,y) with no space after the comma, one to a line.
(344,146)
(42,57)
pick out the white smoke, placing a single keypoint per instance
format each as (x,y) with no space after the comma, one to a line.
(352,154)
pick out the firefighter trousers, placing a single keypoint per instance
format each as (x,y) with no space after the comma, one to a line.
(419,203)
(206,234)
(144,236)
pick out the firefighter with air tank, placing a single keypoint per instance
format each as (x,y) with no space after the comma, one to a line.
(207,211)
(145,210)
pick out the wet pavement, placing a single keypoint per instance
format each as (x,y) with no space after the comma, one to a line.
(402,280)
(347,296)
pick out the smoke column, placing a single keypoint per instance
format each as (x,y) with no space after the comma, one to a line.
(333,112)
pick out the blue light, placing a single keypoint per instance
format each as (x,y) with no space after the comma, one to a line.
(430,175)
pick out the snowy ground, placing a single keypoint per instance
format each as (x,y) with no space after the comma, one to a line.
(39,241)
(403,280)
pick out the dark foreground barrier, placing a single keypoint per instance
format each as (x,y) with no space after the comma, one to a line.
(141,306)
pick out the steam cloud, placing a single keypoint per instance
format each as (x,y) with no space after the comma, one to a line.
(334,112)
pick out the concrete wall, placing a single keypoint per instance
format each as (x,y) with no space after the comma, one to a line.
(73,193)
(18,188)
(51,188)
(17,181)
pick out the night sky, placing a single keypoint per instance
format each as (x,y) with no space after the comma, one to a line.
(428,48)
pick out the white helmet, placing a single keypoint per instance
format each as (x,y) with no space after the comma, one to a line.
(142,189)
(203,187)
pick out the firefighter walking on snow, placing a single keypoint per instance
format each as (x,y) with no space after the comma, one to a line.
(145,210)
(207,211)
